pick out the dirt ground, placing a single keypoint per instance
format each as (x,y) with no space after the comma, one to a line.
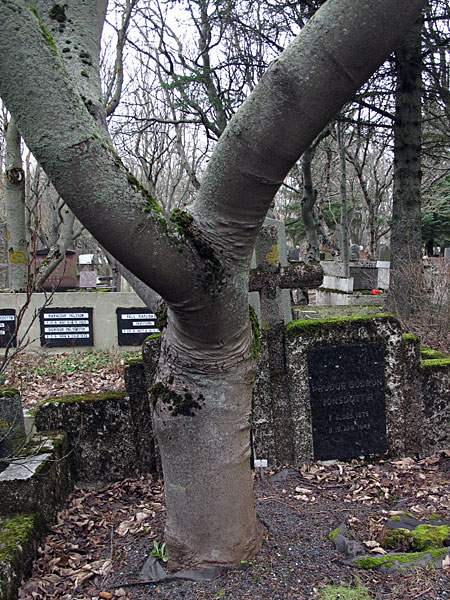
(101,541)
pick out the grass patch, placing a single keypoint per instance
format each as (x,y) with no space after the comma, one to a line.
(344,592)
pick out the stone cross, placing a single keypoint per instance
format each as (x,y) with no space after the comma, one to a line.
(273,278)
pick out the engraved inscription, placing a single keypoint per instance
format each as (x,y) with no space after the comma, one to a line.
(347,394)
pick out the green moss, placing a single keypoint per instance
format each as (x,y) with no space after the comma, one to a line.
(14,533)
(213,276)
(86,398)
(130,362)
(334,533)
(150,203)
(45,33)
(409,338)
(256,332)
(301,326)
(429,354)
(153,336)
(332,291)
(58,13)
(341,592)
(176,404)
(435,364)
(161,317)
(8,392)
(396,518)
(84,74)
(423,537)
(410,558)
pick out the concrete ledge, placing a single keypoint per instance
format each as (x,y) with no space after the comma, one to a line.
(37,481)
(334,298)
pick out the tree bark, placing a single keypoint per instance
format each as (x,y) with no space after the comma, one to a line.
(18,257)
(198,263)
(406,237)
(345,246)
(307,204)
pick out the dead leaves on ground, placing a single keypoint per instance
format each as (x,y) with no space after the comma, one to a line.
(423,485)
(92,538)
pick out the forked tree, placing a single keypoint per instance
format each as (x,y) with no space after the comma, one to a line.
(198,262)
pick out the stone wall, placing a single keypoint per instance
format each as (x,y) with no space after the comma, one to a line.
(417,392)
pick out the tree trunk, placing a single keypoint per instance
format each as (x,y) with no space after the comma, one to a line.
(406,239)
(15,211)
(345,246)
(201,402)
(307,205)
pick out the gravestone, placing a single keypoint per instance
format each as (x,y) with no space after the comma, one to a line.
(134,325)
(354,252)
(348,404)
(384,253)
(88,279)
(7,327)
(63,327)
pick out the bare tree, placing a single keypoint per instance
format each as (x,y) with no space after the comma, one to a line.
(198,262)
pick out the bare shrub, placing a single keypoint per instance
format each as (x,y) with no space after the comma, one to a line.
(425,310)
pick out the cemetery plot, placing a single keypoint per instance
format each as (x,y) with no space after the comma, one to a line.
(134,325)
(348,404)
(7,327)
(61,327)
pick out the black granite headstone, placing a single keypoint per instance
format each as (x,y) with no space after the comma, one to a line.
(348,403)
(134,325)
(7,327)
(62,327)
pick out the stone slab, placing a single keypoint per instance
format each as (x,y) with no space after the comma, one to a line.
(348,404)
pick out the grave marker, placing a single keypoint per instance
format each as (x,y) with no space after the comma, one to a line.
(62,327)
(7,327)
(134,325)
(348,404)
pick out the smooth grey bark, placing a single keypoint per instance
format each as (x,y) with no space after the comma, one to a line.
(198,263)
(18,256)
(406,235)
(345,246)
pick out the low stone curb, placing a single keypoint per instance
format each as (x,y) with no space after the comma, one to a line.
(33,487)
(19,538)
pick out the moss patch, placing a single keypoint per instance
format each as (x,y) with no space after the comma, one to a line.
(341,592)
(435,364)
(256,332)
(85,398)
(301,326)
(176,404)
(405,561)
(429,354)
(213,276)
(8,392)
(334,533)
(423,537)
(45,33)
(19,536)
